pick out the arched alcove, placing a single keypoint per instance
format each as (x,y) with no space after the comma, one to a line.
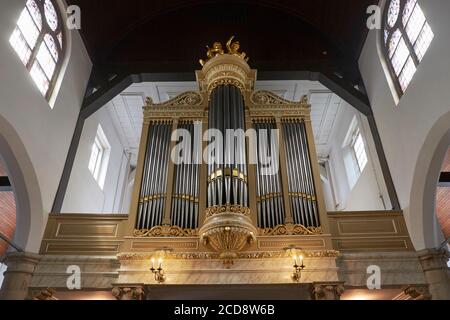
(423,223)
(30,217)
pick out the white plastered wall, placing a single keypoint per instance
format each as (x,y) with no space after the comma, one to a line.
(39,136)
(413,130)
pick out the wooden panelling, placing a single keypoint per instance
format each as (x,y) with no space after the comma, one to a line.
(281,242)
(91,234)
(101,234)
(177,244)
(369,231)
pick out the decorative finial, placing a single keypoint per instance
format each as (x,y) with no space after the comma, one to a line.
(148,101)
(304,100)
(217,49)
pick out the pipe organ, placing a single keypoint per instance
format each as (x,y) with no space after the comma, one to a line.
(248,168)
(225,174)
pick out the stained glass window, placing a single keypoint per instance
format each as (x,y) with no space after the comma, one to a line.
(406,40)
(51,15)
(393,12)
(39,42)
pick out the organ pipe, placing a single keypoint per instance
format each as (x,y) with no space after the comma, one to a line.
(301,186)
(268,186)
(154,179)
(185,204)
(227,177)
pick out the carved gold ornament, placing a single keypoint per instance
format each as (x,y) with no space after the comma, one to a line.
(165,231)
(45,294)
(227,230)
(282,254)
(233,48)
(189,98)
(291,229)
(128,293)
(228,208)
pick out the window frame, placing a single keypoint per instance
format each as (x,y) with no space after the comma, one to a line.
(46,29)
(404,35)
(102,159)
(353,169)
(355,138)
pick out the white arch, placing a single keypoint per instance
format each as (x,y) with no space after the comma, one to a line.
(424,225)
(29,207)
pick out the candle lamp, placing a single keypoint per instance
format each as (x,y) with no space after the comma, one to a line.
(298,268)
(160,277)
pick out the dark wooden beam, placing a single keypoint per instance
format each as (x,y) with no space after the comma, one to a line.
(5,184)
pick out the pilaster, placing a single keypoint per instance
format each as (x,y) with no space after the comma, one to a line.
(17,277)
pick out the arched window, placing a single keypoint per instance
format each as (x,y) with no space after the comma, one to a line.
(407,37)
(38,39)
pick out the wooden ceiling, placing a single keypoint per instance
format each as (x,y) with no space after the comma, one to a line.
(168,36)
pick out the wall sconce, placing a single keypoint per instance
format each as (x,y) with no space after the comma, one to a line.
(158,272)
(298,268)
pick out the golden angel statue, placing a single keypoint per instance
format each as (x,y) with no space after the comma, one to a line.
(212,52)
(234,47)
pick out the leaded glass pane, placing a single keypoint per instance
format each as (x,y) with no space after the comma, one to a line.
(39,78)
(29,30)
(51,44)
(424,41)
(46,61)
(20,45)
(415,24)
(51,15)
(35,13)
(400,56)
(394,42)
(407,74)
(409,6)
(393,12)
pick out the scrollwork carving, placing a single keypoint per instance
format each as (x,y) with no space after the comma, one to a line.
(165,231)
(291,229)
(212,211)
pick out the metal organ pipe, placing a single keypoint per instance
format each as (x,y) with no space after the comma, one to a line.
(186,177)
(227,180)
(270,198)
(300,180)
(154,179)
